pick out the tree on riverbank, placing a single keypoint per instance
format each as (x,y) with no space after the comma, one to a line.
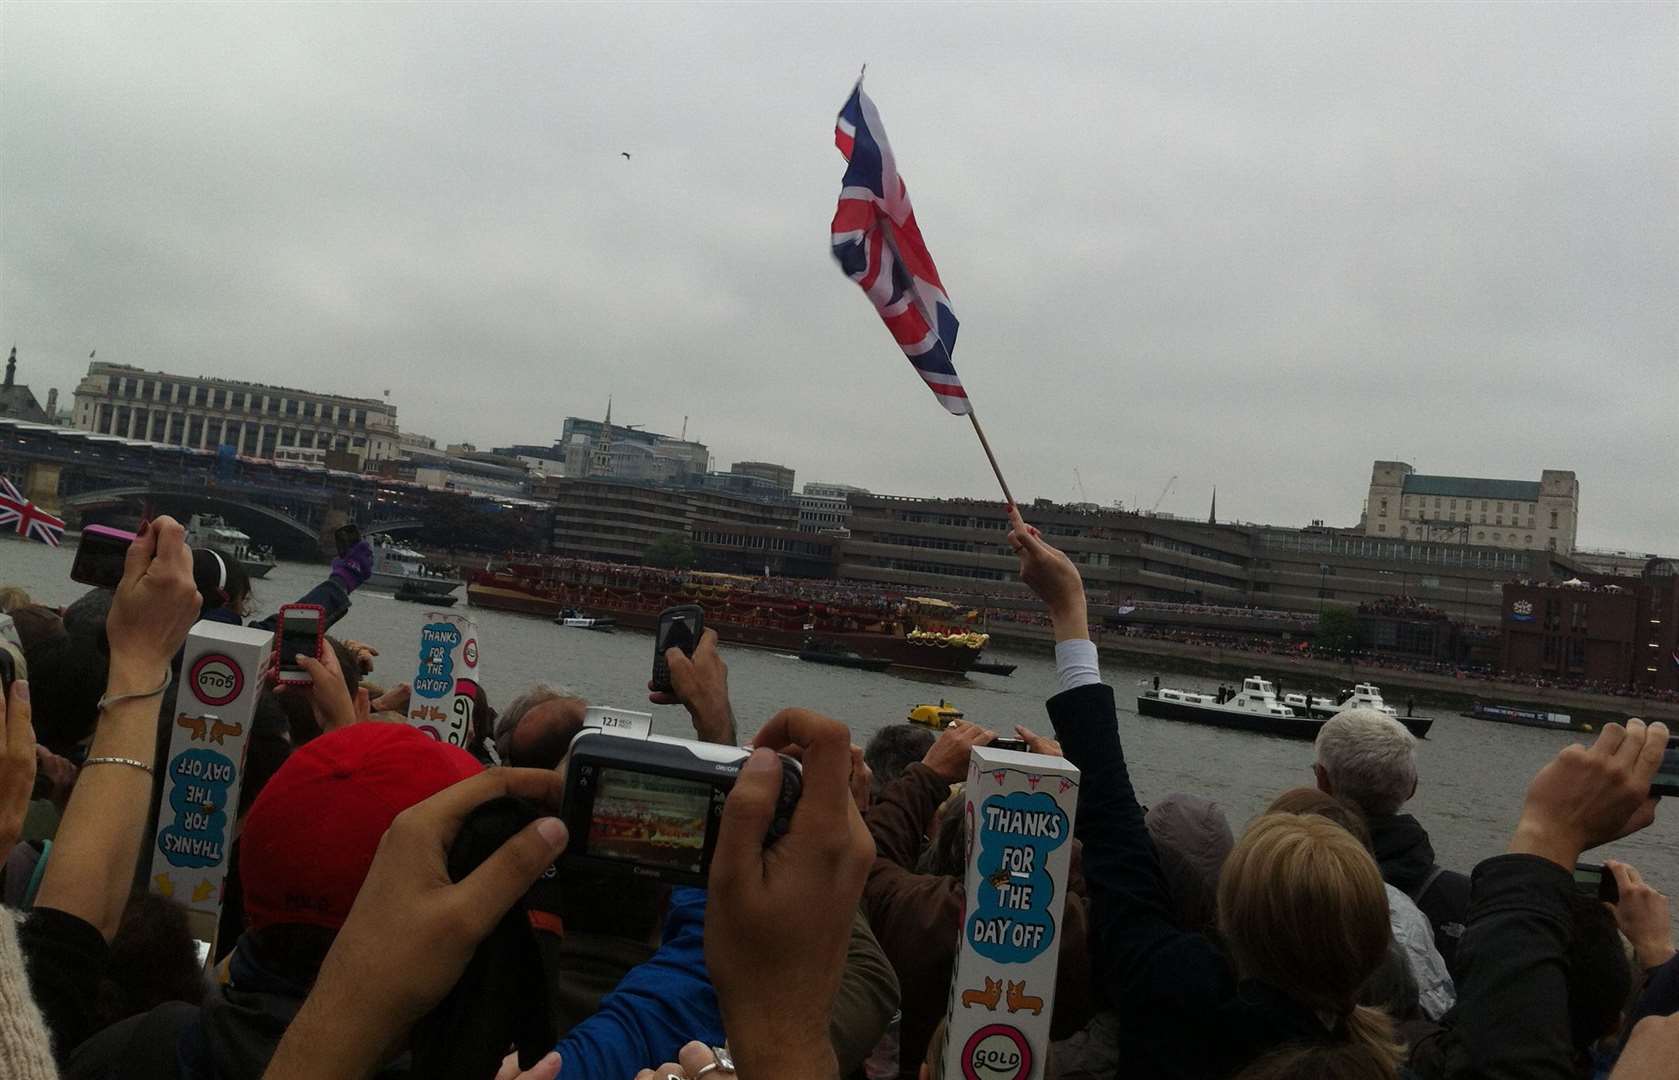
(1337,633)
(671,551)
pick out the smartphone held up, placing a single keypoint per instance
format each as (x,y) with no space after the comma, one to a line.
(680,627)
(300,631)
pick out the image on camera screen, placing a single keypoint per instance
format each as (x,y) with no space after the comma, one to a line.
(651,820)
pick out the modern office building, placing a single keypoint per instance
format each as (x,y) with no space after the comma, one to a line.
(826,508)
(779,475)
(1620,563)
(1404,504)
(255,419)
(601,448)
(1618,632)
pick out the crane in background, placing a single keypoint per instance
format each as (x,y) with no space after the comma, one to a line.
(1163,493)
(1077,479)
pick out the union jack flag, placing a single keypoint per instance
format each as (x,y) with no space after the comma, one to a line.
(879,246)
(29,520)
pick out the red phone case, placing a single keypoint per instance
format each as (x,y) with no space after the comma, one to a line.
(280,672)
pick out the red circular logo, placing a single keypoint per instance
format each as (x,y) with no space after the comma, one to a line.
(469,652)
(996,1052)
(216,679)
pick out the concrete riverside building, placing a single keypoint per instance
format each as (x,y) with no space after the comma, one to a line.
(958,545)
(205,412)
(1404,504)
(617,521)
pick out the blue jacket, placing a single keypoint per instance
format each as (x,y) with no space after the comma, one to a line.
(656,1009)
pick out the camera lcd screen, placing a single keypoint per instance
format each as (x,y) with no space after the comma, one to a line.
(299,636)
(649,819)
(1667,775)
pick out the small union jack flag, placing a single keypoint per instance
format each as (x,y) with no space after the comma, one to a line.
(879,246)
(29,520)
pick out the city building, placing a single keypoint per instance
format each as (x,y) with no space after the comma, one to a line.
(826,508)
(958,545)
(471,475)
(18,401)
(1407,505)
(1622,563)
(1621,633)
(616,521)
(256,419)
(779,475)
(601,448)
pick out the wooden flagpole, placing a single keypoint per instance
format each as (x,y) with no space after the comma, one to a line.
(989,456)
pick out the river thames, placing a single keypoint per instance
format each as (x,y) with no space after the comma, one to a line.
(1472,773)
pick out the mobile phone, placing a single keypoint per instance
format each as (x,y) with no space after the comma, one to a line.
(680,627)
(623,722)
(1596,882)
(651,807)
(101,555)
(1009,744)
(8,630)
(300,631)
(346,537)
(1666,780)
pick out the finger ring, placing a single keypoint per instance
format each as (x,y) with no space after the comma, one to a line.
(723,1063)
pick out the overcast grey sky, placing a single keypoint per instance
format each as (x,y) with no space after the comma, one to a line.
(1253,246)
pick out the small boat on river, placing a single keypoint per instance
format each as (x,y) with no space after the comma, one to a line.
(1363,696)
(1254,708)
(576,620)
(1526,717)
(937,717)
(419,595)
(818,651)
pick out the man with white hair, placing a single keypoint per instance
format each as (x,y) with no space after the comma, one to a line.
(1369,760)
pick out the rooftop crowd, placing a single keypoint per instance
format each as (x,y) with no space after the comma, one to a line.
(1319,940)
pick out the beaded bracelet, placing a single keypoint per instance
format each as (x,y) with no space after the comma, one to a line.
(108,700)
(130,762)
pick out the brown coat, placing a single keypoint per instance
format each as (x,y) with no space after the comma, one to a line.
(918,920)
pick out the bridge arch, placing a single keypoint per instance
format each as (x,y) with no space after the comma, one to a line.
(292,527)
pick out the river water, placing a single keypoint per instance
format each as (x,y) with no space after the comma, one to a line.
(1472,773)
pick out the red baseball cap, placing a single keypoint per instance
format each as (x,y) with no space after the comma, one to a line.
(310,836)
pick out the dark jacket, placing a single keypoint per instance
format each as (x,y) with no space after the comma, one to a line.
(1659,996)
(1511,1019)
(1406,857)
(231,1036)
(1182,1012)
(918,920)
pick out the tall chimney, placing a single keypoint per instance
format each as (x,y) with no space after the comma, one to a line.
(11,367)
(52,404)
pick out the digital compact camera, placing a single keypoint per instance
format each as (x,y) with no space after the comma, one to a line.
(651,806)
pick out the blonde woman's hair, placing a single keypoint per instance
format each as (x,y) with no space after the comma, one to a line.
(1302,907)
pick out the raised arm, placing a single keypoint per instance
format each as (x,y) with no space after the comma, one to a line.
(1137,946)
(1512,1017)
(91,870)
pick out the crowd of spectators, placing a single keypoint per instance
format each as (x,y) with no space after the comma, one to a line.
(368,930)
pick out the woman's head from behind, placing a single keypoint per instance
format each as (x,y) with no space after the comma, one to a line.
(1302,907)
(221,581)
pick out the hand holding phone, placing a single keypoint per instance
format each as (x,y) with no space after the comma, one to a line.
(300,631)
(346,537)
(680,627)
